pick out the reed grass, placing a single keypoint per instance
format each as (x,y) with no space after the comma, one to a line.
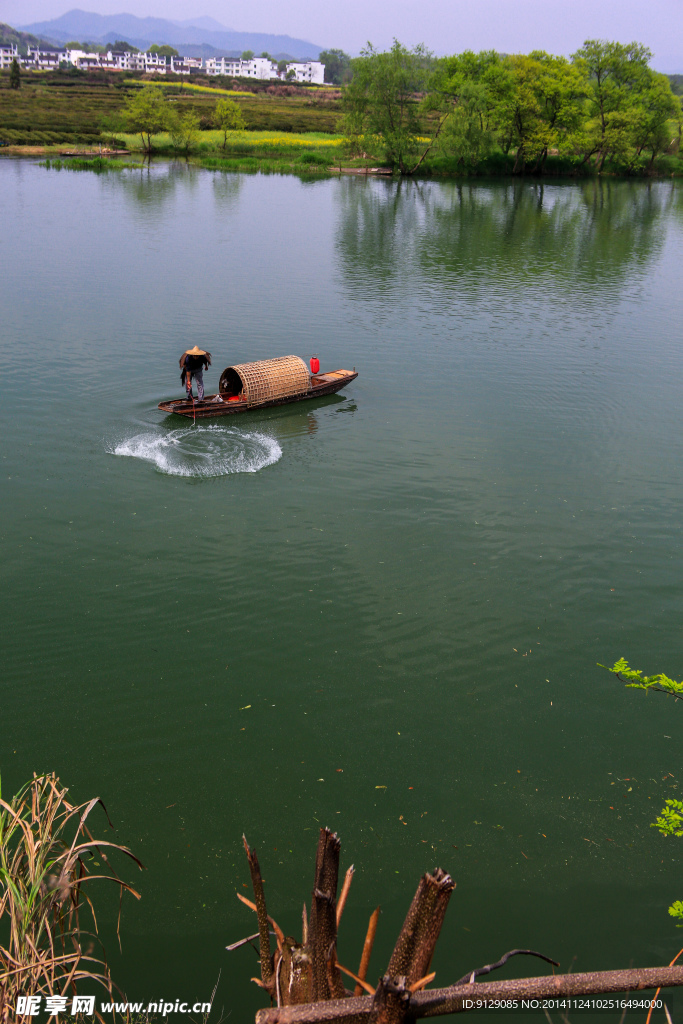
(99,164)
(46,855)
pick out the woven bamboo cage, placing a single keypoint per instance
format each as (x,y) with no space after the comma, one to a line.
(266,380)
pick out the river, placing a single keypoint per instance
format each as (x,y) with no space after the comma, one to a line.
(381,611)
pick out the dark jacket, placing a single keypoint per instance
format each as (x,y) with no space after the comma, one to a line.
(190,364)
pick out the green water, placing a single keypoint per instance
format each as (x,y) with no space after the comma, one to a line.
(253,626)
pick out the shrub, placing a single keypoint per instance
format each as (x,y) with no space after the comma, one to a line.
(321,159)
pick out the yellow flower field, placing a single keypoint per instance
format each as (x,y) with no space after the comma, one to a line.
(189,86)
(252,140)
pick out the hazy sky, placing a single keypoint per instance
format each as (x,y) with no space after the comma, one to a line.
(446,26)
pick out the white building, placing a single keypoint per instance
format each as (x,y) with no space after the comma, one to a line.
(7,55)
(155,62)
(185,65)
(44,60)
(307,71)
(83,60)
(264,68)
(223,66)
(260,68)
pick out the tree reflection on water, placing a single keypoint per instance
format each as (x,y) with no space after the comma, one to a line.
(468,236)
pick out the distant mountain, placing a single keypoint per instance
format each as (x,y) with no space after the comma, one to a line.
(142,32)
(206,23)
(203,50)
(22,40)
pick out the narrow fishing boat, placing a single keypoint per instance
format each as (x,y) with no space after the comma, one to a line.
(260,385)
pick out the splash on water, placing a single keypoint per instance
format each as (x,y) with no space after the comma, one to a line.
(202,451)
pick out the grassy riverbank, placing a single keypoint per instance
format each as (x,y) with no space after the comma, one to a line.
(289,129)
(316,153)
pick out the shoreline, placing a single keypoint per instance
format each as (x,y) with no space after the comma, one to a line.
(242,163)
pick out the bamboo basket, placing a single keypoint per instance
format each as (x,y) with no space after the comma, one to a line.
(266,380)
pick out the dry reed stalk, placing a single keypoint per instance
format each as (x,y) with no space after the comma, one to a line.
(343,896)
(45,845)
(367,952)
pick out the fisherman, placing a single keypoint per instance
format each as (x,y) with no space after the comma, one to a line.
(193,362)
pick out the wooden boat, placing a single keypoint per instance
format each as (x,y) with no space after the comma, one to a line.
(261,385)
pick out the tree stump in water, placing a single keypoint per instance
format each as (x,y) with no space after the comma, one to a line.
(308,972)
(304,979)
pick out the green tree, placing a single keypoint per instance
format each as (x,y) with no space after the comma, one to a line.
(266,54)
(616,73)
(228,118)
(183,128)
(121,46)
(337,66)
(282,66)
(147,113)
(656,107)
(466,90)
(112,125)
(291,75)
(381,100)
(543,107)
(164,51)
(15,75)
(247,54)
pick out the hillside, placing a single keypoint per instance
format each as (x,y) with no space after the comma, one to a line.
(143,32)
(23,40)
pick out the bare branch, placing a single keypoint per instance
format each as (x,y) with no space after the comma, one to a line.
(341,902)
(440,1002)
(261,912)
(367,950)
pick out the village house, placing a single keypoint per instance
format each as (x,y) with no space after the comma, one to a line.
(7,55)
(260,68)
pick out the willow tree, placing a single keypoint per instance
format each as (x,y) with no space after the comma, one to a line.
(467,89)
(228,118)
(542,108)
(616,73)
(382,101)
(147,113)
(655,110)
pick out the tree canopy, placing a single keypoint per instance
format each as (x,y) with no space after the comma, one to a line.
(603,104)
(337,66)
(121,46)
(381,99)
(228,118)
(147,113)
(164,51)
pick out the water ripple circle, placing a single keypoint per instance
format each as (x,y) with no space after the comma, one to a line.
(202,451)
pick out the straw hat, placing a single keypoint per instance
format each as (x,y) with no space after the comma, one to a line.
(196,351)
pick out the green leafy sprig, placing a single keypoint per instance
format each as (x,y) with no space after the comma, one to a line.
(635,678)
